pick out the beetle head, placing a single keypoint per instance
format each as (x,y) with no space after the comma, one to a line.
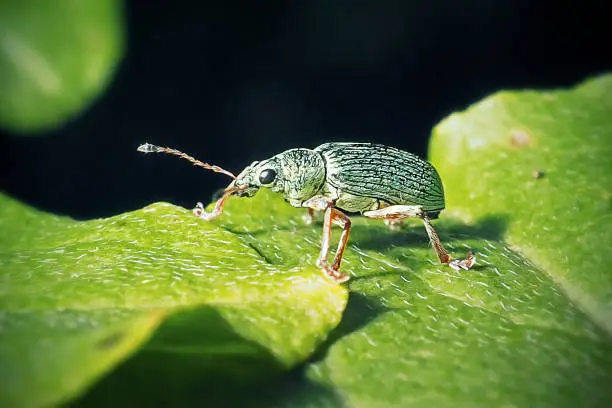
(297,174)
(258,174)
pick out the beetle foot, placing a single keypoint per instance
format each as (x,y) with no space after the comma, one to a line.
(199,209)
(465,264)
(394,224)
(200,212)
(309,217)
(335,275)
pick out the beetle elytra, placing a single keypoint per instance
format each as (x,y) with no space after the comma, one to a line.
(377,181)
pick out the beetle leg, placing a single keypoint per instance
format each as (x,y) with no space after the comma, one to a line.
(342,220)
(318,203)
(200,212)
(309,216)
(399,212)
(435,241)
(394,225)
(332,216)
(327,228)
(335,216)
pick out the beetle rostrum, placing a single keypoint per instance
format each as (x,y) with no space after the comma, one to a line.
(378,181)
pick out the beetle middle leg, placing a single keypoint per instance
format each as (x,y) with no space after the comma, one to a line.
(309,217)
(394,224)
(399,212)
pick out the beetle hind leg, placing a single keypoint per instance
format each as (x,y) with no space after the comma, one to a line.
(397,213)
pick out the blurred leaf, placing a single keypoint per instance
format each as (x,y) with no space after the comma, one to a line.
(77,298)
(55,58)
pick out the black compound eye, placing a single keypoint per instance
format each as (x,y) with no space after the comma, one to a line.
(267,176)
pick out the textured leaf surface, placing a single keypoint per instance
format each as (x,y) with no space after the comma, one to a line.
(530,325)
(77,298)
(542,160)
(55,57)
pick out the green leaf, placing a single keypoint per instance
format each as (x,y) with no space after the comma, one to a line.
(55,58)
(530,325)
(541,159)
(238,300)
(78,298)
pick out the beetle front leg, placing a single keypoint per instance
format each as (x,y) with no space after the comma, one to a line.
(340,219)
(399,212)
(335,216)
(332,216)
(200,212)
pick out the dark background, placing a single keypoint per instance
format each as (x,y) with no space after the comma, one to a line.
(235,81)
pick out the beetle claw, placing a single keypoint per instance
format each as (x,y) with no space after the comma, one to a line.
(200,212)
(198,209)
(335,275)
(465,264)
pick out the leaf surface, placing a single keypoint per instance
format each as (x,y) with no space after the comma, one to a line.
(528,181)
(78,298)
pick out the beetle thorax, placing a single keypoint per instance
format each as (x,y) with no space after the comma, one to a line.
(302,175)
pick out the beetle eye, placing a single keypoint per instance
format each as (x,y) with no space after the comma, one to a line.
(267,176)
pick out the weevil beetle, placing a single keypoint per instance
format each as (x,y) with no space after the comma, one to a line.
(377,181)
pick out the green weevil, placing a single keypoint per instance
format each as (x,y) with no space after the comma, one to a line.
(377,181)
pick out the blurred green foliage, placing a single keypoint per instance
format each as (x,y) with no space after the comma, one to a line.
(56,57)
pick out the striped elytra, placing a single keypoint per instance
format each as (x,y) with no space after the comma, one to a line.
(382,172)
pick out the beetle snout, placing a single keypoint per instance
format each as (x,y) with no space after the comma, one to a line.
(250,191)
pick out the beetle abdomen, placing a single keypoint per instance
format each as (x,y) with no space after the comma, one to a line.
(384,173)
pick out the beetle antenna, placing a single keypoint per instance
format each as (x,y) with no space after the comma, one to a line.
(150,148)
